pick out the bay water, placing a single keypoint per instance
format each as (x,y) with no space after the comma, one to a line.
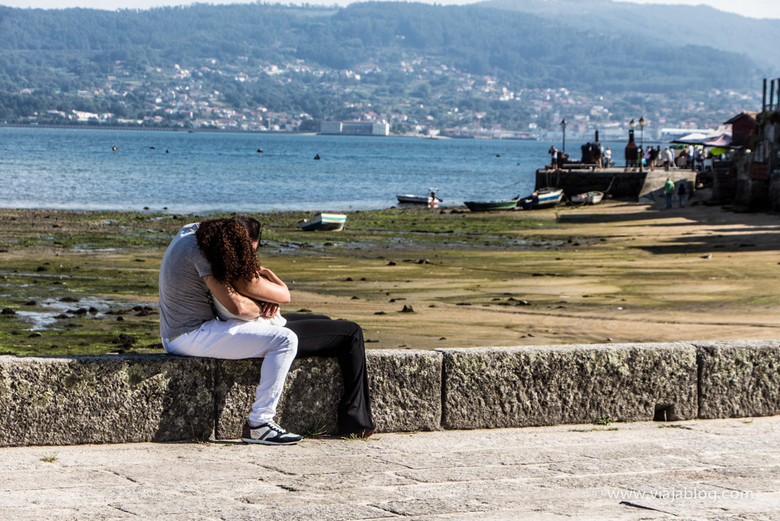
(204,172)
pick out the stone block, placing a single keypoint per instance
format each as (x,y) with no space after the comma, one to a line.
(549,385)
(105,399)
(308,403)
(739,378)
(405,389)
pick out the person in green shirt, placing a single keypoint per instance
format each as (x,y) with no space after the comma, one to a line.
(668,192)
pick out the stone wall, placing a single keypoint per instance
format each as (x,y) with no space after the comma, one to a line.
(573,182)
(115,399)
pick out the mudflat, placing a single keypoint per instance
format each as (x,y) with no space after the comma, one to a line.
(86,282)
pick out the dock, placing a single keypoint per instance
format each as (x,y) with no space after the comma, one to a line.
(614,181)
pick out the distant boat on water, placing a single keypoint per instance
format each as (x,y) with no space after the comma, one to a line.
(324,222)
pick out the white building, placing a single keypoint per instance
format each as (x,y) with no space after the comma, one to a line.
(355,128)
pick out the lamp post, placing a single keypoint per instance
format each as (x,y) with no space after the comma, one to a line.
(642,140)
(632,124)
(563,128)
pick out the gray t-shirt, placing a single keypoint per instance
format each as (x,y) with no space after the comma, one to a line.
(185,301)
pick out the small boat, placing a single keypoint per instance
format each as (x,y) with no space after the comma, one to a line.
(324,221)
(587,198)
(491,206)
(426,200)
(542,198)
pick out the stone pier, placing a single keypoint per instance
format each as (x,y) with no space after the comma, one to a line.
(136,398)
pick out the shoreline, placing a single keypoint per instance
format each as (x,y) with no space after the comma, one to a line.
(618,272)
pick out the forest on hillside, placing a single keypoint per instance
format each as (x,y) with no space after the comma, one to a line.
(49,55)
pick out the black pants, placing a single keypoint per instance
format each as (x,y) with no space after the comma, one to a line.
(318,335)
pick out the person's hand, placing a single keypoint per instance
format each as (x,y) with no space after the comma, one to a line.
(267,309)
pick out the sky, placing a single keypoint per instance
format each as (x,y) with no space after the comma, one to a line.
(749,8)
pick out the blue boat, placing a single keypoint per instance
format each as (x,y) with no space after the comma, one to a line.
(542,198)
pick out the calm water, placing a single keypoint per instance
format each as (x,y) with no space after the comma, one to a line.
(205,172)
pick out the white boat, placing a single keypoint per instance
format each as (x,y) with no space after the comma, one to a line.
(542,198)
(324,221)
(588,198)
(427,200)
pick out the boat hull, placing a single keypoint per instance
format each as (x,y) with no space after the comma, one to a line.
(542,198)
(588,198)
(418,200)
(324,222)
(491,206)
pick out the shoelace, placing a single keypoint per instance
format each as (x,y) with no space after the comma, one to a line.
(277,428)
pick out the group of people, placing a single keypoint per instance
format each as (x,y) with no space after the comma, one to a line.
(218,301)
(650,157)
(682,192)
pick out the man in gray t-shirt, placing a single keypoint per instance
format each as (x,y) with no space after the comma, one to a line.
(185,301)
(189,327)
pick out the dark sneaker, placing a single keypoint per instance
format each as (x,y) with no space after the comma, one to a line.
(268,433)
(361,433)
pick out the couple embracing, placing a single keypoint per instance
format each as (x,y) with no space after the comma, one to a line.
(217,301)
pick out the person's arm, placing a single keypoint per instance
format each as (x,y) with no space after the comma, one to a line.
(237,304)
(267,288)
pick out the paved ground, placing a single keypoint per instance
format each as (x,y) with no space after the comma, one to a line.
(717,469)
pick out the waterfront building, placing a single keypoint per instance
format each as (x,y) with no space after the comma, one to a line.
(355,128)
(757,158)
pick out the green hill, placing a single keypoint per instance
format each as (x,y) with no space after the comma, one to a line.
(403,53)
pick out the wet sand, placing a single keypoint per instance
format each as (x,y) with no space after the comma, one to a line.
(617,272)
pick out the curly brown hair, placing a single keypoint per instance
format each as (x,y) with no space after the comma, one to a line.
(227,247)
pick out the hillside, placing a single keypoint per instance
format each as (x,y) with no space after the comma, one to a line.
(676,25)
(344,62)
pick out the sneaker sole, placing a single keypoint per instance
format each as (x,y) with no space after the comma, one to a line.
(263,442)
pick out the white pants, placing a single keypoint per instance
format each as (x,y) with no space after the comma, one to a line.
(238,340)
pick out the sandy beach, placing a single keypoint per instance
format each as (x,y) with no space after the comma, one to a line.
(419,279)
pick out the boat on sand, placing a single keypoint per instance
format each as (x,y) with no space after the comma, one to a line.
(324,221)
(542,198)
(425,200)
(587,198)
(491,206)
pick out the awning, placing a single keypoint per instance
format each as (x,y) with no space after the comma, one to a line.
(696,138)
(722,141)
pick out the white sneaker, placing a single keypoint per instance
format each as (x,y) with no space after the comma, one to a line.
(268,433)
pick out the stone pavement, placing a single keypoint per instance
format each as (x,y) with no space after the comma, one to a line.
(723,469)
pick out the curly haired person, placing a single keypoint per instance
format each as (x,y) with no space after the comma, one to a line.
(217,301)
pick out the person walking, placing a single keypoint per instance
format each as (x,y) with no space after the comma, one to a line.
(607,158)
(682,192)
(668,192)
(666,157)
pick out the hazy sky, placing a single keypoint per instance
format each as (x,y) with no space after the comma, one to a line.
(752,8)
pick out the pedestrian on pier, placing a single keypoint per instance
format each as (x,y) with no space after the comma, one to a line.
(682,192)
(668,192)
(667,157)
(606,159)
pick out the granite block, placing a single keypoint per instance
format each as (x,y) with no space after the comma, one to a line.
(739,378)
(405,388)
(549,385)
(104,399)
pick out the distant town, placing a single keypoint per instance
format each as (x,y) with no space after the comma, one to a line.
(180,98)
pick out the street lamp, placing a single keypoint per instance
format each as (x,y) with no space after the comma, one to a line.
(563,127)
(632,144)
(642,141)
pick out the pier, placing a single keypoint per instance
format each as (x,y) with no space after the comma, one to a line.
(613,181)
